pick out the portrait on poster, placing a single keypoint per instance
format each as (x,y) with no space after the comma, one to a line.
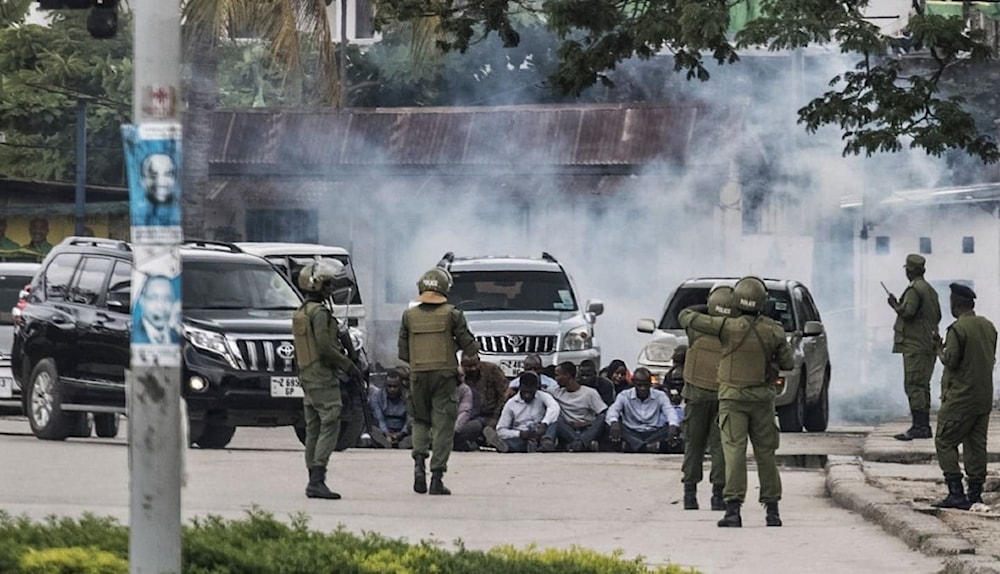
(153,162)
(156,309)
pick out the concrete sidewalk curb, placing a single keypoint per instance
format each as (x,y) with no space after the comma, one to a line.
(847,485)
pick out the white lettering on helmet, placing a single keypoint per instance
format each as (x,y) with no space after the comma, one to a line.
(431,282)
(748,302)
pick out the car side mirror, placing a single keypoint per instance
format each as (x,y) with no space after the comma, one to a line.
(595,307)
(645,325)
(119,305)
(812,328)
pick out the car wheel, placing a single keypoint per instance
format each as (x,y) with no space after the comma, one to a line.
(818,413)
(106,425)
(215,436)
(45,414)
(352,417)
(791,417)
(81,425)
(300,432)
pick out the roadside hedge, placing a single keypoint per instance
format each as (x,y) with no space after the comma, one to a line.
(261,544)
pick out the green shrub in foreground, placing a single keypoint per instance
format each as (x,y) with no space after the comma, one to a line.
(260,544)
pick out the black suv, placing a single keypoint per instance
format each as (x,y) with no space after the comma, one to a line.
(71,343)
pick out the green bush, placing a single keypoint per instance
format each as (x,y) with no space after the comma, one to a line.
(261,544)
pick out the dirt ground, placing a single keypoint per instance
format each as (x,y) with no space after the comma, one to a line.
(980,526)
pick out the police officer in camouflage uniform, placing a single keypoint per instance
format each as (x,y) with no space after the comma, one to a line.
(966,399)
(701,410)
(753,345)
(430,336)
(321,363)
(915,335)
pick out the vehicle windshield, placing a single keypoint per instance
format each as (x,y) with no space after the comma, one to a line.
(10,288)
(778,307)
(218,285)
(512,291)
(300,261)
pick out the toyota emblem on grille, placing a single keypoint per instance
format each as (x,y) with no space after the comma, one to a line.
(515,341)
(286,351)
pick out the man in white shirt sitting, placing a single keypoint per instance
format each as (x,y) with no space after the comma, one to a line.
(581,422)
(641,417)
(533,363)
(528,420)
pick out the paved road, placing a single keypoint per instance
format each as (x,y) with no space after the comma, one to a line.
(602,501)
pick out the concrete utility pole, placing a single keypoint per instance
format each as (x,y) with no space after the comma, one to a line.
(154,380)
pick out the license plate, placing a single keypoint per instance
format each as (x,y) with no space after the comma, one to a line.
(286,387)
(6,387)
(511,368)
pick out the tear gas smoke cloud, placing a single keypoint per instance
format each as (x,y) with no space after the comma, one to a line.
(630,249)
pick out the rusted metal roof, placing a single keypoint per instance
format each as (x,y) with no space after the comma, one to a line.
(510,138)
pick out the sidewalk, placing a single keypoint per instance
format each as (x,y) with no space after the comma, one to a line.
(894,484)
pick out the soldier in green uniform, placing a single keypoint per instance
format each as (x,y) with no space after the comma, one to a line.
(321,363)
(915,336)
(430,336)
(752,346)
(701,409)
(966,399)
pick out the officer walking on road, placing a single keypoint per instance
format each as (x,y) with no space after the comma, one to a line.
(430,336)
(966,399)
(701,411)
(915,336)
(321,362)
(752,346)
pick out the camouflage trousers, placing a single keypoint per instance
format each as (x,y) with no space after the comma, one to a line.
(434,407)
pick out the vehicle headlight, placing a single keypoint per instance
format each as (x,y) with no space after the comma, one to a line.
(209,341)
(577,340)
(659,352)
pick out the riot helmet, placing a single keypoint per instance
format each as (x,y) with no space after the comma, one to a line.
(750,295)
(326,277)
(434,285)
(720,301)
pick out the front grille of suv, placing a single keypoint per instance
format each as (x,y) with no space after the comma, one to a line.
(516,343)
(266,355)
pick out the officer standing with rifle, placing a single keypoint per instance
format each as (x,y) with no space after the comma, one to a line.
(915,336)
(430,336)
(322,363)
(701,411)
(968,356)
(752,345)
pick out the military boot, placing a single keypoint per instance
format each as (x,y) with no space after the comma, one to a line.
(772,518)
(975,491)
(437,486)
(419,475)
(923,429)
(317,485)
(732,519)
(910,433)
(690,496)
(718,503)
(956,496)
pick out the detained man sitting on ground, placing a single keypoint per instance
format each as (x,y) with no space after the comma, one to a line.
(533,363)
(392,428)
(529,419)
(641,417)
(581,422)
(468,424)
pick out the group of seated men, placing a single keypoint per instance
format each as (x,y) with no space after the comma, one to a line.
(576,409)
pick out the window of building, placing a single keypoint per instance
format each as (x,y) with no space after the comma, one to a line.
(292,225)
(968,244)
(882,244)
(925,245)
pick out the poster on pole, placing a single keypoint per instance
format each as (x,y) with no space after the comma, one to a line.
(156,306)
(153,159)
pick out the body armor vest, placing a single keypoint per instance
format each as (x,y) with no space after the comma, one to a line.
(701,368)
(744,363)
(432,346)
(306,352)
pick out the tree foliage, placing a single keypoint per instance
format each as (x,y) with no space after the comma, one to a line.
(45,70)
(877,105)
